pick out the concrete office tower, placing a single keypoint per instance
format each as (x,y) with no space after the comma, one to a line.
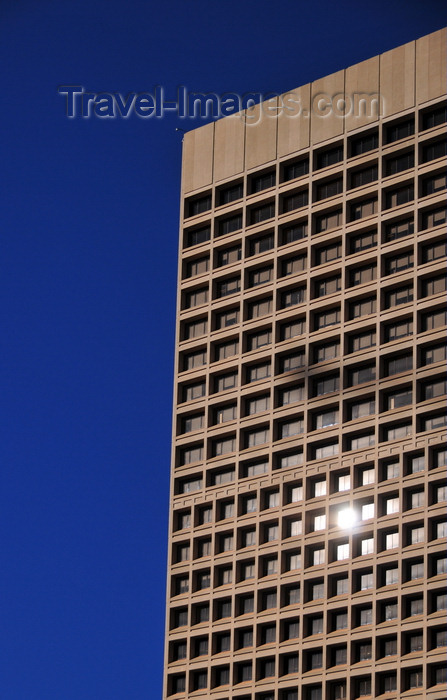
(308,507)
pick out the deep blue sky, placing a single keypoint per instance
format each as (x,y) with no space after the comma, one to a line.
(88,243)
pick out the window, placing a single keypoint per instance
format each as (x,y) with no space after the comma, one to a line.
(244,672)
(291,266)
(342,551)
(434,117)
(368,476)
(197,267)
(319,488)
(291,428)
(195,329)
(365,616)
(261,276)
(250,504)
(396,132)
(326,419)
(319,524)
(342,585)
(227,256)
(257,405)
(227,318)
(202,648)
(391,540)
(197,236)
(203,613)
(362,275)
(328,449)
(396,365)
(227,287)
(432,390)
(249,538)
(364,651)
(434,353)
(295,201)
(297,169)
(204,548)
(362,341)
(224,414)
(363,687)
(343,482)
(363,176)
(340,621)
(362,241)
(256,468)
(435,285)
(292,297)
(434,217)
(400,329)
(367,511)
(417,499)
(327,253)
(391,576)
(257,372)
(397,164)
(367,547)
(434,183)
(223,642)
(260,214)
(230,224)
(295,494)
(293,233)
(318,556)
(227,510)
(194,359)
(435,319)
(434,251)
(325,222)
(359,442)
(203,580)
(225,350)
(315,659)
(326,351)
(222,676)
(272,531)
(416,607)
(398,263)
(316,624)
(293,561)
(288,363)
(359,210)
(270,566)
(363,144)
(389,646)
(191,423)
(262,182)
(223,447)
(329,156)
(366,306)
(329,285)
(199,205)
(399,229)
(178,684)
(259,308)
(226,381)
(326,385)
(402,295)
(360,375)
(330,188)
(434,150)
(245,639)
(231,193)
(247,571)
(291,395)
(259,340)
(326,318)
(362,408)
(415,642)
(399,398)
(292,330)
(272,499)
(196,297)
(191,454)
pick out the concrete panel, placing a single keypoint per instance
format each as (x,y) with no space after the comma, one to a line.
(198,158)
(431,66)
(260,133)
(229,137)
(362,89)
(325,123)
(294,121)
(397,79)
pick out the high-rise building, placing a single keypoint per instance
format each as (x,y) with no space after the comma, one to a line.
(308,523)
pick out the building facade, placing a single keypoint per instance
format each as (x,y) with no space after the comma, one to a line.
(308,523)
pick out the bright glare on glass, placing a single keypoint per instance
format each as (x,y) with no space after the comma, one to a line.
(346,517)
